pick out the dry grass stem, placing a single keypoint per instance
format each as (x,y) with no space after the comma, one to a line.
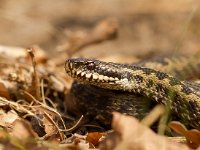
(153,115)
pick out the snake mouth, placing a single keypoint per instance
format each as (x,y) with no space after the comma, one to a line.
(92,77)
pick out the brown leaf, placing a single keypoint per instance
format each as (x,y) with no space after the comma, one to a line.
(94,137)
(6,119)
(49,127)
(22,129)
(4,91)
(178,127)
(134,136)
(192,136)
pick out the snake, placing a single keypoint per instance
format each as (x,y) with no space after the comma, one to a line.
(130,87)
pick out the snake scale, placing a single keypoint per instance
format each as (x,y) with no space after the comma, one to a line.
(134,89)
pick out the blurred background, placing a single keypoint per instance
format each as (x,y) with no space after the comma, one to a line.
(144,26)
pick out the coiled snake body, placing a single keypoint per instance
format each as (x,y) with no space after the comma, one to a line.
(125,80)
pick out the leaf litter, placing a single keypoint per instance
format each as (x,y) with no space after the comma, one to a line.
(33,113)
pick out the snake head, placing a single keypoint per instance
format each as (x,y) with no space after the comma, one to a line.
(94,71)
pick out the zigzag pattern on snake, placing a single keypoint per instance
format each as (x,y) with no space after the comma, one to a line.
(182,97)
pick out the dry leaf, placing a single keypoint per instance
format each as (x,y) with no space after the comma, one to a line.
(178,127)
(133,136)
(192,136)
(45,126)
(77,141)
(49,127)
(94,137)
(4,91)
(6,119)
(22,129)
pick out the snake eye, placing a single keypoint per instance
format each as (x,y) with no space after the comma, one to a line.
(91,66)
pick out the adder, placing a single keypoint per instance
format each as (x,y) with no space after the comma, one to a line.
(104,87)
